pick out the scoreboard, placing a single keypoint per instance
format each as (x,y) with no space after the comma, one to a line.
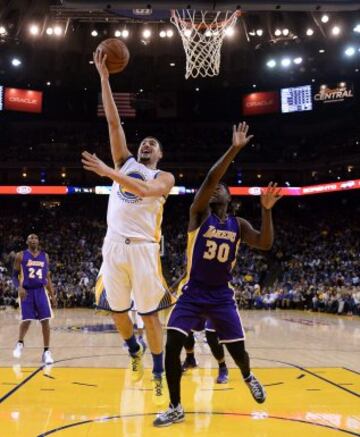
(296,99)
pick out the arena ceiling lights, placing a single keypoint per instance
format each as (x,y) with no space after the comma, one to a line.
(16,62)
(223,5)
(322,18)
(55,30)
(351,51)
(285,62)
(275,34)
(121,33)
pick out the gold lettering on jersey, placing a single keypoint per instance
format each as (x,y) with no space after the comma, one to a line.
(32,263)
(212,232)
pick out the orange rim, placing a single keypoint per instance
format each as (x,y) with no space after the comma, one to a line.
(202,26)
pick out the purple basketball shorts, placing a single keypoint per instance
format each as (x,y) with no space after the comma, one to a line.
(36,305)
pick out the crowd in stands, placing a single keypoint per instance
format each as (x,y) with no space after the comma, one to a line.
(314,264)
(50,153)
(274,141)
(73,243)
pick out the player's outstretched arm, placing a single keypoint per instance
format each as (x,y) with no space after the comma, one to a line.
(264,239)
(240,138)
(160,186)
(119,149)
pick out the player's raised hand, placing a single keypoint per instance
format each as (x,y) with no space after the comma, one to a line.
(270,195)
(240,135)
(100,64)
(92,163)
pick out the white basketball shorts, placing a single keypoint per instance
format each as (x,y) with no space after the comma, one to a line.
(134,268)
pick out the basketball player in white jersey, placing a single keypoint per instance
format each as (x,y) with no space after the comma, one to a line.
(131,250)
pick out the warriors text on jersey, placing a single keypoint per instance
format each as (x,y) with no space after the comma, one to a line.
(130,216)
(34,270)
(211,251)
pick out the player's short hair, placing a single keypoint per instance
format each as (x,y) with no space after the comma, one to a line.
(156,139)
(33,234)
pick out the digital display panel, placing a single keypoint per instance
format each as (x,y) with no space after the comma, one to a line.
(296,99)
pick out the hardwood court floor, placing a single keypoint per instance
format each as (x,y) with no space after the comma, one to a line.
(309,363)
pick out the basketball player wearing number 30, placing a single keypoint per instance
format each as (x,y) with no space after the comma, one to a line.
(213,241)
(131,250)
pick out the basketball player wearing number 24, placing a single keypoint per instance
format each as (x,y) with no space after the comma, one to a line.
(131,250)
(30,276)
(213,240)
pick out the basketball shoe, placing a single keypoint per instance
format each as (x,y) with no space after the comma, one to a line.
(170,416)
(18,349)
(256,389)
(47,358)
(223,376)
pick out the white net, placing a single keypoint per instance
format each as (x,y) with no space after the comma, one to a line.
(202,35)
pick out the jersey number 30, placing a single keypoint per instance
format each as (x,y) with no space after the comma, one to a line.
(35,272)
(221,251)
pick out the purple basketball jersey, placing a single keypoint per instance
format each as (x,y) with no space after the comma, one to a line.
(34,270)
(206,294)
(212,251)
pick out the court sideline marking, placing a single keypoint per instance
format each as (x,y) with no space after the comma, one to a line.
(33,374)
(214,413)
(313,374)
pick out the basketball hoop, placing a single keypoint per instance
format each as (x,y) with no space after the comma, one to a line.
(202,34)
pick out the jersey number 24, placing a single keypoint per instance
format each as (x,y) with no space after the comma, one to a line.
(35,272)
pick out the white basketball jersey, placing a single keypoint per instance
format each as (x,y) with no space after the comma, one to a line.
(130,216)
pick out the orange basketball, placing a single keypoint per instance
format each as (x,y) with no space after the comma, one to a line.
(117,54)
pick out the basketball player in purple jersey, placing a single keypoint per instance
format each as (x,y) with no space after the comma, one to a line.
(30,276)
(213,240)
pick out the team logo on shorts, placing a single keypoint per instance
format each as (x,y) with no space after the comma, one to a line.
(130,197)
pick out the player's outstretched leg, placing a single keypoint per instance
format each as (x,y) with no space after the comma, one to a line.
(241,358)
(23,329)
(155,339)
(136,349)
(46,356)
(175,412)
(218,352)
(190,362)
(136,364)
